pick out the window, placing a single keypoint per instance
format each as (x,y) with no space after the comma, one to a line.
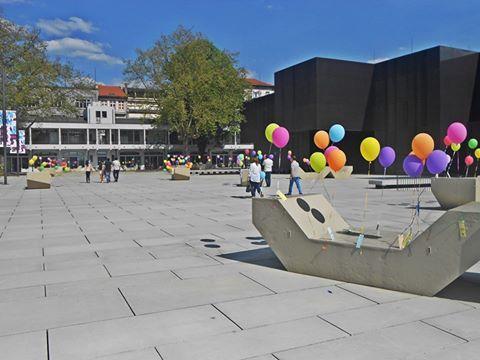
(114,136)
(155,136)
(74,136)
(104,114)
(131,136)
(44,136)
(103,136)
(92,134)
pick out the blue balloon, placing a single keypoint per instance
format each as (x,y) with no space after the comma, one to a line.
(260,157)
(336,133)
(262,175)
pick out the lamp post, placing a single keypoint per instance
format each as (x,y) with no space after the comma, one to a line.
(4,126)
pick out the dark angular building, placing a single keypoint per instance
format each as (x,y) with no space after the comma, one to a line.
(392,100)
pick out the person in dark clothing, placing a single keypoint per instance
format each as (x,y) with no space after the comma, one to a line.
(107,169)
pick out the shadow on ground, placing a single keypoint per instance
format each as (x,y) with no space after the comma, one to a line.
(465,288)
(263,257)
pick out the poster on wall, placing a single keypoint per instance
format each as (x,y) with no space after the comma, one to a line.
(21,139)
(11,128)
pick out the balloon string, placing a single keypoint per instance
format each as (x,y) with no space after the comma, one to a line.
(466,172)
(476,168)
(450,163)
(381,202)
(365,203)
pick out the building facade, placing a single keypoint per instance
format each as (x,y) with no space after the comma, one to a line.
(115,121)
(392,100)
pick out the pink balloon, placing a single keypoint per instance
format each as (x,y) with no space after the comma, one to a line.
(457,132)
(280,137)
(447,141)
(329,149)
(468,160)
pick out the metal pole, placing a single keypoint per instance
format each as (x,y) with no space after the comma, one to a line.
(4,126)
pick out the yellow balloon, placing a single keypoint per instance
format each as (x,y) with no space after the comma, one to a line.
(370,148)
(269,131)
(455,147)
(477,153)
(31,162)
(34,157)
(318,161)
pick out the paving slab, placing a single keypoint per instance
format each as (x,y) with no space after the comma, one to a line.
(249,343)
(395,342)
(258,311)
(394,313)
(119,335)
(465,324)
(26,346)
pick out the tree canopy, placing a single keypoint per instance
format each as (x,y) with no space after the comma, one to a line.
(35,84)
(198,88)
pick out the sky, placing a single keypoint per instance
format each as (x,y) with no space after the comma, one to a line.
(97,36)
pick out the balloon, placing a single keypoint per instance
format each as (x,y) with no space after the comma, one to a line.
(262,175)
(457,132)
(66,169)
(247,151)
(472,143)
(270,156)
(269,131)
(422,145)
(289,152)
(280,137)
(41,168)
(34,157)
(328,150)
(437,162)
(321,139)
(253,153)
(386,157)
(447,141)
(318,161)
(477,153)
(259,152)
(455,147)
(370,148)
(412,166)
(260,157)
(468,160)
(336,159)
(31,162)
(336,132)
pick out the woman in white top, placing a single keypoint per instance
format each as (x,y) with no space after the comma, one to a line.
(267,168)
(254,176)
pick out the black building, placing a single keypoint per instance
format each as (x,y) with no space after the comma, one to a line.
(392,100)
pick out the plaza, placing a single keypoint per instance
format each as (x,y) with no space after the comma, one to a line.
(149,268)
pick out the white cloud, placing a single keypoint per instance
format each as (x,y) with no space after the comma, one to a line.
(377,60)
(74,47)
(251,74)
(61,27)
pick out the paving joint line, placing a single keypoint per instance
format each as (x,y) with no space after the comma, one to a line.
(445,331)
(338,327)
(354,293)
(259,283)
(108,272)
(158,352)
(174,273)
(221,312)
(125,299)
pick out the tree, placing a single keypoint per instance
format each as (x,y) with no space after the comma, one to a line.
(35,86)
(198,88)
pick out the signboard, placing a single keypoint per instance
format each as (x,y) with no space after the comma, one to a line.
(13,147)
(11,128)
(238,147)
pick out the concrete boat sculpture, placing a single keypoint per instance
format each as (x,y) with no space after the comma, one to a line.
(181,173)
(309,236)
(453,192)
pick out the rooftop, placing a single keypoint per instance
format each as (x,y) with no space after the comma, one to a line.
(111,91)
(256,82)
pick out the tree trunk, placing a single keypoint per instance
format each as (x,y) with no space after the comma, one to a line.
(185,145)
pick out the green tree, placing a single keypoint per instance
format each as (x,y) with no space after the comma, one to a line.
(198,88)
(35,86)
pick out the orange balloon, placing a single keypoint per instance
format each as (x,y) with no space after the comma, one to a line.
(422,145)
(321,139)
(336,159)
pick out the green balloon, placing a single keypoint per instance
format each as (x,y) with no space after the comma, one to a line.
(472,143)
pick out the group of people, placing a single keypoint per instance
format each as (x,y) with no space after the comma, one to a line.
(256,178)
(105,170)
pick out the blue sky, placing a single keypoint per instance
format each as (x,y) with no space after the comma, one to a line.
(269,35)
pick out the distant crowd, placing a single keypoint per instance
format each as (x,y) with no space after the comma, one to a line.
(105,169)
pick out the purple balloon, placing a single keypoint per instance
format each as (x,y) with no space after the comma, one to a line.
(270,156)
(386,157)
(253,153)
(412,166)
(329,149)
(437,162)
(280,137)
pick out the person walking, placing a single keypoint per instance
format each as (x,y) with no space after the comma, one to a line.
(107,169)
(267,168)
(254,176)
(101,171)
(294,176)
(116,169)
(88,171)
